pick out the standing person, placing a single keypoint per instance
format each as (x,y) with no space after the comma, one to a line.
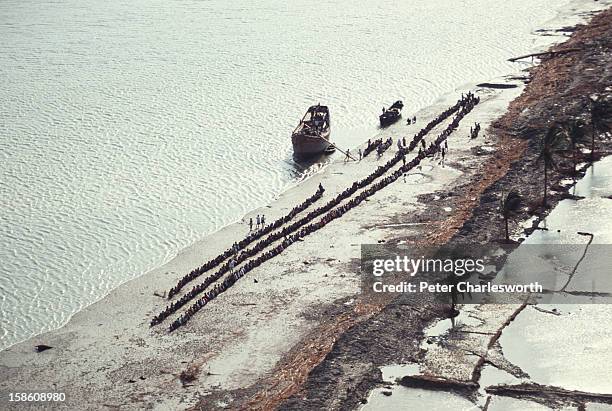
(360,154)
(258,221)
(446,144)
(263,220)
(348,155)
(399,144)
(404,141)
(251,224)
(414,119)
(404,177)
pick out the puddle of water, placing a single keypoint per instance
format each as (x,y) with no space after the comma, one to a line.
(596,181)
(552,264)
(391,373)
(587,215)
(572,350)
(443,326)
(403,398)
(494,376)
(513,404)
(592,406)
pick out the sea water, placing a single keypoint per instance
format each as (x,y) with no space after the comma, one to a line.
(131,129)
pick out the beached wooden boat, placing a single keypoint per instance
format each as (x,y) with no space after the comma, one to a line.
(392,114)
(311,136)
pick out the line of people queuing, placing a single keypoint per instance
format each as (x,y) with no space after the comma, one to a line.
(381,148)
(293,232)
(310,228)
(252,236)
(371,146)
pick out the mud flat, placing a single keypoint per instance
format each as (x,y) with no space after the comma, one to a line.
(294,332)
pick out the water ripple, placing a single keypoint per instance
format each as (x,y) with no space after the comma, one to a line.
(122,120)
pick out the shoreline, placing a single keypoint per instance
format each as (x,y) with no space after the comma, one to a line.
(567,11)
(302,318)
(86,322)
(481,225)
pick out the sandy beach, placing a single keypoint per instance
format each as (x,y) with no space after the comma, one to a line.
(273,339)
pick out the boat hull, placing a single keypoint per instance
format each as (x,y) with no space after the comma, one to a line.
(393,114)
(304,145)
(388,120)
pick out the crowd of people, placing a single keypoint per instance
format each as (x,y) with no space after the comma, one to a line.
(252,236)
(381,148)
(329,212)
(371,146)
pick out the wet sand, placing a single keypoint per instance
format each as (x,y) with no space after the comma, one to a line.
(257,343)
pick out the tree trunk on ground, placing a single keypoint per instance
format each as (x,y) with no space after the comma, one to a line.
(545,182)
(574,158)
(507,234)
(592,140)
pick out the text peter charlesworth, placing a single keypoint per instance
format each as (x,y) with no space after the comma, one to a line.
(458,267)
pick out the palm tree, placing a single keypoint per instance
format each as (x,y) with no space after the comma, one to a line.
(550,144)
(599,107)
(509,205)
(575,133)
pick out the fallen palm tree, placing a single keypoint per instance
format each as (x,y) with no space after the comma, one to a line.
(548,393)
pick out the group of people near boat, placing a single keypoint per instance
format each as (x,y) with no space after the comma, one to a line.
(306,225)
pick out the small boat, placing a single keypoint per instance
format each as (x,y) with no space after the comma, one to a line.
(311,136)
(392,114)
